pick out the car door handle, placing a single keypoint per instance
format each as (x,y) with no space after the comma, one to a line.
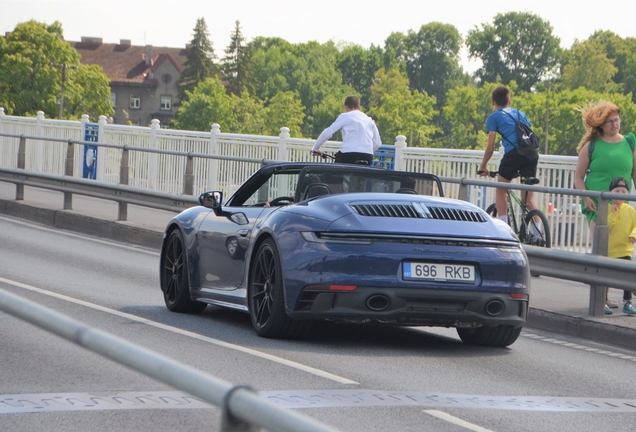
(243,232)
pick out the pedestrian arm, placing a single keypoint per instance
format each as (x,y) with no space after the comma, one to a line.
(377,141)
(582,165)
(490,150)
(328,133)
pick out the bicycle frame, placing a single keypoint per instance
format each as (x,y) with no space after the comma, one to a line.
(512,219)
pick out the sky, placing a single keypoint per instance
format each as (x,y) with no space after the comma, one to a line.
(170,23)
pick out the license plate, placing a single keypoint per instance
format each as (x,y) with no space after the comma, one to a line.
(440,272)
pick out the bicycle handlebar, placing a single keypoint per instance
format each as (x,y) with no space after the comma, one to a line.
(324,155)
(493,174)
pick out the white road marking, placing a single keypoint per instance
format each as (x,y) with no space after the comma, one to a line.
(279,360)
(579,347)
(317,399)
(459,422)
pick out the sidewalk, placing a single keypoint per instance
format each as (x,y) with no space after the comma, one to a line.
(556,305)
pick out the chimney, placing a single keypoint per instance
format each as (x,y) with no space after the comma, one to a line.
(91,40)
(124,42)
(149,55)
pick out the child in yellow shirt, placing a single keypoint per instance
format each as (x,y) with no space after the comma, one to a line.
(621,219)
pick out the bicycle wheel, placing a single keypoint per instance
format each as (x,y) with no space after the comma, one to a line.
(492,210)
(533,233)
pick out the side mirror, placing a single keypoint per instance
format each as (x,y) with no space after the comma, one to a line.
(212,200)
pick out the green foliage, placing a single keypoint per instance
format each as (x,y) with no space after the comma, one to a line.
(357,66)
(432,59)
(31,59)
(284,110)
(564,123)
(249,115)
(467,109)
(400,111)
(588,66)
(518,46)
(87,92)
(236,62)
(200,61)
(207,104)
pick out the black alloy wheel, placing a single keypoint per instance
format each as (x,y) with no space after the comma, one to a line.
(174,277)
(266,296)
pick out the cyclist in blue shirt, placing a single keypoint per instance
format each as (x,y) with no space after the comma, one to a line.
(502,122)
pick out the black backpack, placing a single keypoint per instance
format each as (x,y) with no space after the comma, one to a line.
(590,146)
(527,140)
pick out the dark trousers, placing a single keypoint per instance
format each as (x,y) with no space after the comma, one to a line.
(627,295)
(354,158)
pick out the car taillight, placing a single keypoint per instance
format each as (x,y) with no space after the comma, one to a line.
(520,296)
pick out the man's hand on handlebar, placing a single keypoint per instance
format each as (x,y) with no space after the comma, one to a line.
(486,173)
(318,153)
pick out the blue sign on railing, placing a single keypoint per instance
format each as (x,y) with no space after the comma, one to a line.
(91,133)
(384,157)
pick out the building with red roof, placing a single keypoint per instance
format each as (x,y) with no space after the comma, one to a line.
(143,79)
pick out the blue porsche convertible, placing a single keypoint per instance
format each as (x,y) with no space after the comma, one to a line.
(302,242)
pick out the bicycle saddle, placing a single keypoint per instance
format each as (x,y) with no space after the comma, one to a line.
(531,181)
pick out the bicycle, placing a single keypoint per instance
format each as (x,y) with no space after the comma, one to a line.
(537,235)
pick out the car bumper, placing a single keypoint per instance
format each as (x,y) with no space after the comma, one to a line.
(403,306)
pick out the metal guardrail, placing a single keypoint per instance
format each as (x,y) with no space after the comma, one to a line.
(96,189)
(124,194)
(242,407)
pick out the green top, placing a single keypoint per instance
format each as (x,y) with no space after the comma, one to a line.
(609,160)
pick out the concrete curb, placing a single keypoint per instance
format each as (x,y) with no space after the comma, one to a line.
(580,327)
(66,220)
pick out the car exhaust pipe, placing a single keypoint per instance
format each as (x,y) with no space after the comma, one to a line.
(495,307)
(378,302)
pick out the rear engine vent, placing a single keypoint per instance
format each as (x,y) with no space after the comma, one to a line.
(456,214)
(417,211)
(387,210)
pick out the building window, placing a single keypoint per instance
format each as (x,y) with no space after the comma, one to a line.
(113,99)
(135,101)
(166,102)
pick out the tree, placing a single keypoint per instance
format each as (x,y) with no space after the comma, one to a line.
(199,64)
(249,114)
(467,108)
(87,92)
(33,58)
(235,62)
(207,104)
(587,65)
(284,110)
(617,49)
(358,66)
(519,46)
(400,111)
(432,59)
(565,127)
(308,70)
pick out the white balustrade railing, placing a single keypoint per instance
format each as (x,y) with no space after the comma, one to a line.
(164,172)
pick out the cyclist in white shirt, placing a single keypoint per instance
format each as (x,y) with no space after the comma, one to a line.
(360,136)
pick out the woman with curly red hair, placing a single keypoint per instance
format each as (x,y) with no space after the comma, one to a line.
(612,156)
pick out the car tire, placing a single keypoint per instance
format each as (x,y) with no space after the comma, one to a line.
(266,301)
(174,277)
(498,336)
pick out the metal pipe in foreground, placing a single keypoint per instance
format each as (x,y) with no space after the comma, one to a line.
(240,403)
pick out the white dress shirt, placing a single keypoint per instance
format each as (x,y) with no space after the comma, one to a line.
(359,133)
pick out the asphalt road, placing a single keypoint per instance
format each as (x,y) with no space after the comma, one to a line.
(353,378)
